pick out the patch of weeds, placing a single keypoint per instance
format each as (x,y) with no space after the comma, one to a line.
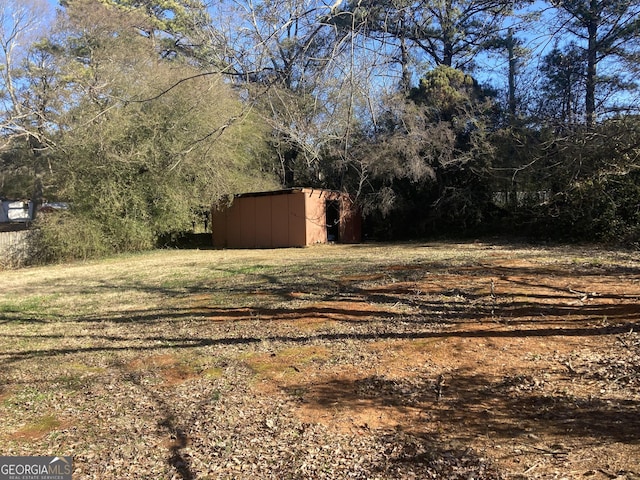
(200,366)
(27,397)
(286,362)
(215,396)
(73,382)
(26,309)
(45,423)
(213,373)
(217,272)
(37,428)
(580,263)
(533,357)
(25,305)
(306,355)
(86,369)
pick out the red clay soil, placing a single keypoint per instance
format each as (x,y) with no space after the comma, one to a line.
(538,370)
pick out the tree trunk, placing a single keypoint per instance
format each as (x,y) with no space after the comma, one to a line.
(512,73)
(406,74)
(592,49)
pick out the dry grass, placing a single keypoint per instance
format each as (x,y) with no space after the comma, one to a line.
(365,361)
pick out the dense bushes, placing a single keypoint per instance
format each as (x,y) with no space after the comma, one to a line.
(65,236)
(604,209)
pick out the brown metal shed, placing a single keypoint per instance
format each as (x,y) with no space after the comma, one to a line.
(294,217)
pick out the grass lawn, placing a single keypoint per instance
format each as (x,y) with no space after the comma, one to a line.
(421,360)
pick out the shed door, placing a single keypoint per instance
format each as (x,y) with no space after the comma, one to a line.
(333,220)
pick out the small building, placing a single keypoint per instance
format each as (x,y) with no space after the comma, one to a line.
(16,211)
(294,217)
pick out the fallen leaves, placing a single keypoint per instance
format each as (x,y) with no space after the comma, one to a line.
(439,363)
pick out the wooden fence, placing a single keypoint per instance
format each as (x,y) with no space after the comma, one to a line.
(11,247)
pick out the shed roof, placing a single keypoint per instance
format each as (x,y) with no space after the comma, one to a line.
(286,191)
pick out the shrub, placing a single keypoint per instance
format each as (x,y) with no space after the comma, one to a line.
(128,235)
(62,237)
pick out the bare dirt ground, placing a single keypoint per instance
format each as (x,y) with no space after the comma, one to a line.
(465,361)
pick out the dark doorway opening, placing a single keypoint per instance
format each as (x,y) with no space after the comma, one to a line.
(333,220)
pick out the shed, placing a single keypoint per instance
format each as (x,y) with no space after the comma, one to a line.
(293,217)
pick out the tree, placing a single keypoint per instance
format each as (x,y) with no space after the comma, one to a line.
(178,28)
(592,184)
(459,29)
(308,76)
(516,58)
(431,154)
(144,144)
(21,23)
(277,41)
(607,30)
(386,27)
(563,85)
(448,32)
